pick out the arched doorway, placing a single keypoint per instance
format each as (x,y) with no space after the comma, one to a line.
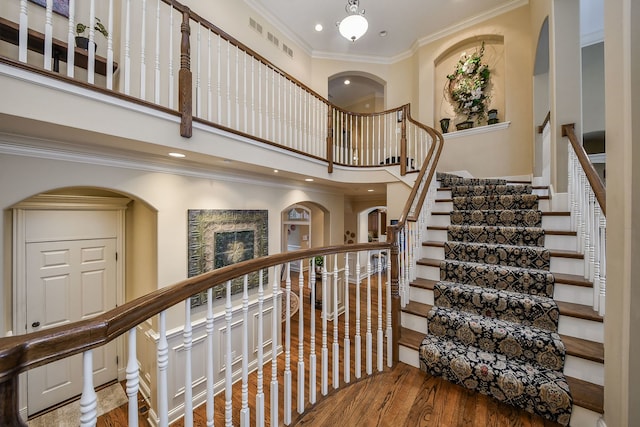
(304,225)
(541,106)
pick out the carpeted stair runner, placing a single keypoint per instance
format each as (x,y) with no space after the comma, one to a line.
(493,327)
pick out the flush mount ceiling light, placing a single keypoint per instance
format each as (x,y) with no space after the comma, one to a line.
(354,25)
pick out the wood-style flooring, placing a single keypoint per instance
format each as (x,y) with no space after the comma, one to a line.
(401,396)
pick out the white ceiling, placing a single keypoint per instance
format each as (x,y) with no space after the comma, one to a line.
(407,22)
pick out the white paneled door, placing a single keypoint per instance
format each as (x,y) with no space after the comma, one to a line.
(67,281)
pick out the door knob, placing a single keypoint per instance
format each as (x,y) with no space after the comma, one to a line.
(35,324)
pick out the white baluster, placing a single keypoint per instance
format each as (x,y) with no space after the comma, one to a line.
(228,112)
(163,364)
(188,382)
(253,97)
(244,91)
(143,51)
(127,49)
(71,38)
(171,73)
(23,35)
(380,337)
(603,264)
(156,65)
(237,91)
(109,75)
(244,411)
(325,349)
(219,79)
(209,78)
(369,336)
(210,350)
(91,61)
(301,339)
(389,322)
(358,341)
(198,62)
(260,378)
(312,355)
(336,345)
(228,363)
(48,34)
(596,258)
(88,400)
(133,378)
(347,339)
(275,325)
(287,349)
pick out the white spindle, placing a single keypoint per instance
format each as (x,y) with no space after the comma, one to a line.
(244,91)
(171,73)
(336,345)
(163,364)
(143,51)
(275,317)
(287,349)
(379,337)
(237,91)
(244,411)
(301,373)
(358,339)
(198,81)
(389,323)
(228,112)
(325,349)
(312,329)
(48,34)
(369,336)
(133,378)
(210,350)
(91,61)
(228,363)
(260,375)
(23,35)
(603,264)
(219,79)
(110,47)
(347,338)
(187,335)
(209,81)
(596,258)
(88,400)
(156,65)
(71,31)
(127,49)
(253,97)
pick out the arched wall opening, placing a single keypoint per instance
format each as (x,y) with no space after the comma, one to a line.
(357,91)
(541,105)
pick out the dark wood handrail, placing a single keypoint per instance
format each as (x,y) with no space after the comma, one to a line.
(546,120)
(23,352)
(568,130)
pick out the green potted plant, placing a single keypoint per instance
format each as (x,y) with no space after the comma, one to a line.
(82,41)
(319,263)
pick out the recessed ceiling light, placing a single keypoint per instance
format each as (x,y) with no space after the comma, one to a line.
(370,190)
(276,171)
(383,33)
(309,179)
(177,155)
(347,81)
(318,27)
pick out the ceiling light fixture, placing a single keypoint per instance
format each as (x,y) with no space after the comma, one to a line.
(354,25)
(177,155)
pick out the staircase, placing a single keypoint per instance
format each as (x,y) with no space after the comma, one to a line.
(501,298)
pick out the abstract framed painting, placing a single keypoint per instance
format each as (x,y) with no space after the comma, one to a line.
(61,7)
(217,238)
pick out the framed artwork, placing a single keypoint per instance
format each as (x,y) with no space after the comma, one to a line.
(61,7)
(217,238)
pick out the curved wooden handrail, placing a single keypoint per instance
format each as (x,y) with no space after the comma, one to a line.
(596,183)
(546,120)
(23,352)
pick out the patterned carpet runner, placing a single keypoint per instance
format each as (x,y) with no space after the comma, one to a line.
(494,325)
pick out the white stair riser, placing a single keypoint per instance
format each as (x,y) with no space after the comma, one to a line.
(548,222)
(560,242)
(428,272)
(581,328)
(584,417)
(544,205)
(572,293)
(432,252)
(584,369)
(443,194)
(442,206)
(414,322)
(424,296)
(437,235)
(409,356)
(567,265)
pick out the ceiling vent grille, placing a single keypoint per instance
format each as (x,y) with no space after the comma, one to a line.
(273,39)
(286,49)
(255,25)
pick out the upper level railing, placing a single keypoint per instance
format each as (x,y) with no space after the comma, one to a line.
(587,200)
(168,56)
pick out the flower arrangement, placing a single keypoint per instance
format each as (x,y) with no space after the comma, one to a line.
(467,85)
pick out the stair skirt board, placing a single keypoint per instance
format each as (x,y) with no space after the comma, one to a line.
(493,327)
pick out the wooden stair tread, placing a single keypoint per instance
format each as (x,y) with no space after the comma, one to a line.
(410,338)
(586,394)
(578,310)
(544,213)
(566,254)
(584,349)
(540,197)
(417,308)
(572,279)
(433,243)
(437,227)
(424,283)
(560,232)
(430,262)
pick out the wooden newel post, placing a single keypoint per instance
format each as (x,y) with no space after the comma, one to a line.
(395,290)
(185,91)
(9,411)
(403,142)
(330,140)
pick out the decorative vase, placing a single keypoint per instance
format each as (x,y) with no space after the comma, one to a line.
(465,125)
(83,43)
(444,125)
(493,116)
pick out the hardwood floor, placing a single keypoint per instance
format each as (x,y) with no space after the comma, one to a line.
(401,396)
